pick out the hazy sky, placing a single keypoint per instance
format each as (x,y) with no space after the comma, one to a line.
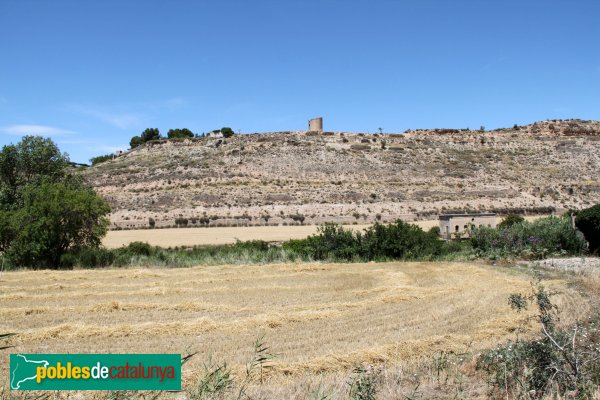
(91,74)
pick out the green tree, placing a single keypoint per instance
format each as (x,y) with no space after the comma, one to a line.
(588,222)
(150,134)
(28,162)
(45,212)
(179,133)
(55,218)
(227,132)
(135,142)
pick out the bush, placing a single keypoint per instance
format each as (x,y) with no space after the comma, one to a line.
(334,242)
(535,240)
(179,133)
(138,249)
(364,383)
(68,260)
(251,245)
(298,218)
(181,222)
(227,132)
(510,220)
(559,362)
(101,159)
(399,241)
(588,222)
(90,257)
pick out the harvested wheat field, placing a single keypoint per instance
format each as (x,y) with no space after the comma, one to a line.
(317,318)
(172,237)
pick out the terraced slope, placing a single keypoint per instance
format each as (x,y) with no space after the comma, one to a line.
(288,178)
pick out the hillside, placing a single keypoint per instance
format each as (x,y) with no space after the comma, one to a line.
(307,177)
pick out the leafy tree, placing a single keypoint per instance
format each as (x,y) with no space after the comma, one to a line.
(28,162)
(44,211)
(179,133)
(588,222)
(55,218)
(135,142)
(150,134)
(510,220)
(227,132)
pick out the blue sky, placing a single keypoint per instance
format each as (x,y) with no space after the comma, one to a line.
(91,74)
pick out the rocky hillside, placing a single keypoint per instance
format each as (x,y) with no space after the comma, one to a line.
(308,177)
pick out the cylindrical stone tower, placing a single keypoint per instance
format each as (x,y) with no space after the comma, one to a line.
(315,124)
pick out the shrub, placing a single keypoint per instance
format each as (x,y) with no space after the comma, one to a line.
(510,220)
(68,260)
(179,133)
(364,384)
(333,242)
(138,249)
(535,240)
(588,222)
(216,380)
(101,159)
(181,222)
(90,257)
(227,132)
(297,218)
(560,362)
(400,240)
(301,247)
(251,245)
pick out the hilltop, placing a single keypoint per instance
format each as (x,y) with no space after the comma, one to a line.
(305,177)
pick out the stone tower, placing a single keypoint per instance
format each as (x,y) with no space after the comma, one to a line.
(315,124)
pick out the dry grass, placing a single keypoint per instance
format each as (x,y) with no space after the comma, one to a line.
(321,319)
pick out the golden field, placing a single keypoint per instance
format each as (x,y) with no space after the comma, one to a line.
(172,237)
(320,319)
